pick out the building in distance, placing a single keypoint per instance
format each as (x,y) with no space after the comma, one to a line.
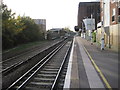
(41,23)
(85,10)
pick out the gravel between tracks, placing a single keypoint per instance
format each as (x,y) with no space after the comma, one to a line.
(8,79)
(42,45)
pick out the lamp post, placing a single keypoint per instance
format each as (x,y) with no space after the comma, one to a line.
(82,31)
(102,38)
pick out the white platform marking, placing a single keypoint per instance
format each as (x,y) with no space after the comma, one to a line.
(68,74)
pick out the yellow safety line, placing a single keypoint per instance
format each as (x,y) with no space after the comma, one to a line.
(99,71)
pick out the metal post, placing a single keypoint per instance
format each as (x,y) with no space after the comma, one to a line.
(82,31)
(102,38)
(91,31)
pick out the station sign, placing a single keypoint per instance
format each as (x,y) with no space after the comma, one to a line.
(89,23)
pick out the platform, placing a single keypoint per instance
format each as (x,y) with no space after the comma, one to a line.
(82,72)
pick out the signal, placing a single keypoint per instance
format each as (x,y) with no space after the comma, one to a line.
(76,28)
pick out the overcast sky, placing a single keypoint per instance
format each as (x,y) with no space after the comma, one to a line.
(58,13)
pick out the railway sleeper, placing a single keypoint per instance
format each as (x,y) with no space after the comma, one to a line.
(48,72)
(34,88)
(40,85)
(53,65)
(46,75)
(50,69)
(38,79)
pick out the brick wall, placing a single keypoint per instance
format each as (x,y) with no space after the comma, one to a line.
(111,36)
(113,5)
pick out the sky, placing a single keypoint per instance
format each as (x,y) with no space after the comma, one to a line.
(58,13)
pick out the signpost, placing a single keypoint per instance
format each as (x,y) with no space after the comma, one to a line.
(102,38)
(89,25)
(76,28)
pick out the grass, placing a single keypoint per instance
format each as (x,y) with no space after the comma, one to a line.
(24,46)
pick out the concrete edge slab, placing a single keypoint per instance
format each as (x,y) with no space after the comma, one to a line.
(68,74)
(93,78)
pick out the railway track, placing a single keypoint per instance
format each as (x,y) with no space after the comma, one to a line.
(8,56)
(13,63)
(48,73)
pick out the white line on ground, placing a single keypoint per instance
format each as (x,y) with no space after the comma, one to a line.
(68,74)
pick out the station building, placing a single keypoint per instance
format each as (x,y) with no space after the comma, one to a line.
(106,14)
(110,16)
(85,9)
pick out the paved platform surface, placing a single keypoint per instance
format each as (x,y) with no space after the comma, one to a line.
(82,73)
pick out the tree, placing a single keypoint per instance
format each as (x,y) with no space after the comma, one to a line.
(18,30)
(67,29)
(31,29)
(7,27)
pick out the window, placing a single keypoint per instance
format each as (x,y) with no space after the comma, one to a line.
(113,18)
(113,14)
(119,19)
(101,18)
(119,15)
(118,11)
(119,4)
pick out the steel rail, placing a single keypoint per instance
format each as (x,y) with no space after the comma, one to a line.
(10,58)
(54,86)
(12,67)
(25,82)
